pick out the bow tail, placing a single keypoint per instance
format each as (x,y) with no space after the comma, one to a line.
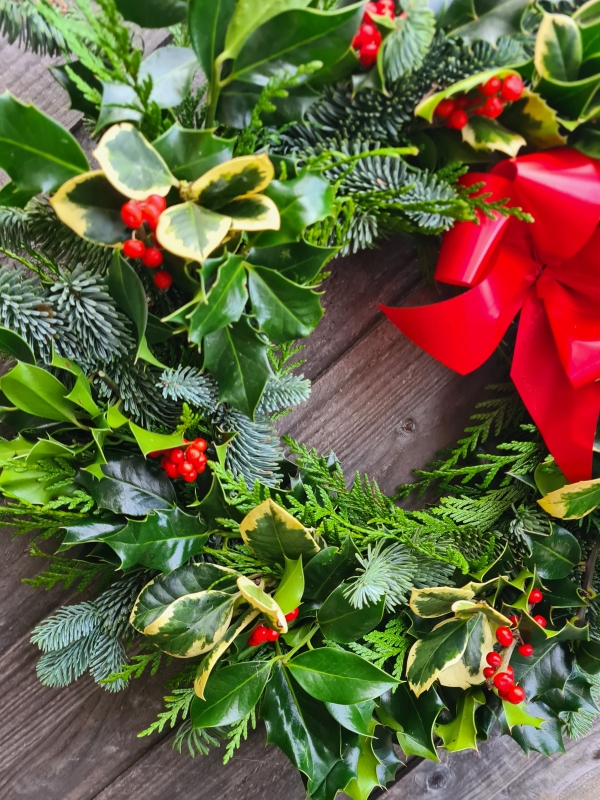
(565,416)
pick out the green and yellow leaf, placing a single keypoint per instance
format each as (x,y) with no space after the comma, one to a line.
(468,671)
(442,648)
(466,609)
(273,534)
(482,133)
(245,175)
(573,501)
(191,232)
(558,48)
(437,601)
(427,106)
(535,120)
(263,602)
(256,212)
(91,206)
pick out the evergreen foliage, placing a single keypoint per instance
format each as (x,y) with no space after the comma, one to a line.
(21,22)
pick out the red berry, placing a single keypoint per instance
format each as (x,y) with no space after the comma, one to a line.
(152,258)
(535,596)
(490,87)
(492,107)
(134,248)
(457,120)
(201,444)
(516,695)
(190,477)
(131,214)
(514,620)
(156,454)
(504,636)
(171,470)
(291,616)
(157,201)
(462,101)
(368,54)
(494,659)
(176,456)
(200,467)
(272,635)
(503,681)
(504,693)
(150,214)
(259,635)
(370,34)
(525,650)
(162,279)
(370,8)
(541,621)
(201,461)
(488,673)
(444,108)
(185,468)
(510,671)
(193,455)
(512,88)
(386,8)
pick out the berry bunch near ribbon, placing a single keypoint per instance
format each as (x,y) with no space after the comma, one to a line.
(186,464)
(368,39)
(504,680)
(142,217)
(262,633)
(487,100)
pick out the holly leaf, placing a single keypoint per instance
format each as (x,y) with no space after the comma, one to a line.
(548,476)
(437,601)
(237,357)
(191,153)
(483,19)
(230,694)
(412,718)
(91,206)
(367,775)
(37,152)
(191,232)
(535,120)
(224,303)
(131,164)
(263,602)
(291,587)
(588,657)
(468,670)
(482,133)
(242,176)
(131,486)
(328,568)
(299,262)
(438,650)
(208,21)
(551,663)
(589,25)
(517,715)
(128,292)
(35,391)
(62,74)
(546,740)
(573,501)
(553,556)
(357,718)
(336,676)
(171,70)
(341,622)
(153,13)
(120,103)
(274,535)
(558,48)
(461,733)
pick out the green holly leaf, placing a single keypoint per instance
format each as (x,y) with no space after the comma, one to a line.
(588,657)
(274,535)
(483,19)
(35,485)
(341,622)
(208,21)
(128,292)
(328,568)
(536,121)
(553,556)
(461,733)
(238,100)
(78,100)
(37,152)
(11,344)
(171,70)
(237,358)
(153,13)
(35,391)
(190,153)
(301,202)
(299,262)
(91,206)
(131,164)
(291,587)
(439,649)
(546,740)
(90,530)
(131,486)
(517,715)
(589,25)
(357,718)
(383,747)
(548,476)
(551,663)
(576,696)
(224,303)
(558,48)
(120,103)
(563,594)
(367,775)
(285,310)
(413,719)
(336,676)
(230,694)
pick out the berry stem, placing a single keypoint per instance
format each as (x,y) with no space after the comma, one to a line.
(507,655)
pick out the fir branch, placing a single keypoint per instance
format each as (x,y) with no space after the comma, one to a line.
(66,626)
(384,571)
(254,452)
(197,388)
(406,46)
(284,392)
(21,22)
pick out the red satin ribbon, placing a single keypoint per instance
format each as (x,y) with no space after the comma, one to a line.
(550,271)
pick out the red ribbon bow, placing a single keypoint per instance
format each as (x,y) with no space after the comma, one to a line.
(550,271)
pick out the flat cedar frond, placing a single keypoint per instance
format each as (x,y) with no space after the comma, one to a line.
(390,643)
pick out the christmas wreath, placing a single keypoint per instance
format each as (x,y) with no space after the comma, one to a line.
(151,303)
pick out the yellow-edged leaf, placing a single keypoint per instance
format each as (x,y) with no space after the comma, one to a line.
(191,232)
(469,670)
(437,601)
(91,206)
(573,501)
(273,534)
(464,608)
(256,212)
(245,175)
(487,134)
(262,602)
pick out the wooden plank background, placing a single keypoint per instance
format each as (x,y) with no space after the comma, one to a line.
(384,407)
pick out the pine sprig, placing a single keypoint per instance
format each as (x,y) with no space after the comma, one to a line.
(406,47)
(384,571)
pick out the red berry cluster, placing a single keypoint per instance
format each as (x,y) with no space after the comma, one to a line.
(186,464)
(504,681)
(368,39)
(486,101)
(262,634)
(134,213)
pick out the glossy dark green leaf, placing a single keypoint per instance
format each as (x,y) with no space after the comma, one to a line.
(300,261)
(237,358)
(12,344)
(355,718)
(214,505)
(171,70)
(291,587)
(153,13)
(546,740)
(301,727)
(127,291)
(91,207)
(367,777)
(563,594)
(90,530)
(189,153)
(551,663)
(35,485)
(11,195)
(157,331)
(238,100)
(78,101)
(336,676)
(588,657)
(131,486)
(208,21)
(301,202)
(412,718)
(325,571)
(589,24)
(553,556)
(341,622)
(285,310)
(383,748)
(37,152)
(37,392)
(230,694)
(483,19)
(120,103)
(575,696)
(224,304)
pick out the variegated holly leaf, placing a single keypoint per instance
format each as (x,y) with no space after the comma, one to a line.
(191,232)
(91,206)
(131,164)
(468,671)
(257,212)
(437,601)
(245,175)
(274,535)
(488,134)
(263,602)
(558,48)
(532,118)
(466,609)
(427,106)
(588,20)
(437,651)
(461,733)
(573,501)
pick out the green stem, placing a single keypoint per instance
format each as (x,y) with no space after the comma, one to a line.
(214,90)
(588,578)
